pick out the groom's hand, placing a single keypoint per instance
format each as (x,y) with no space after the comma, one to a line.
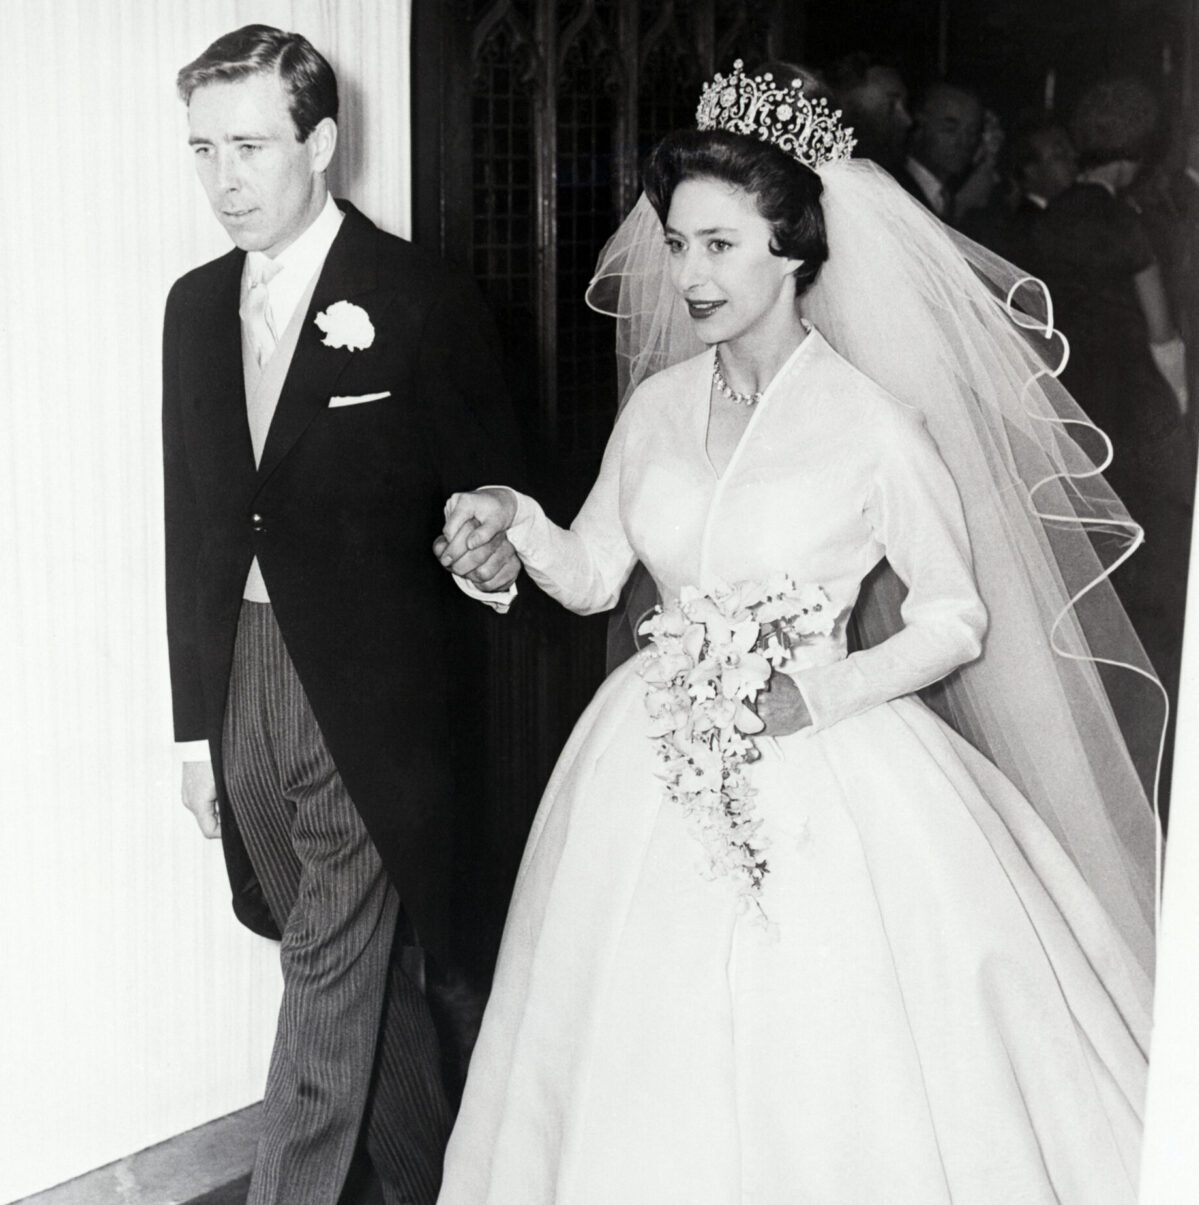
(199,796)
(495,564)
(473,543)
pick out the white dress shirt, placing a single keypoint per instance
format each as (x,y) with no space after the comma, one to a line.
(933,189)
(297,265)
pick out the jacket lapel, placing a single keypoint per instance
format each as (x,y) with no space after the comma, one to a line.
(216,338)
(348,272)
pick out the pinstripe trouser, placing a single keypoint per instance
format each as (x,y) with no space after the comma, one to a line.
(355,1047)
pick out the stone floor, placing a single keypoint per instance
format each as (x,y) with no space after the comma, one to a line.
(229,1194)
(209,1165)
(361,1189)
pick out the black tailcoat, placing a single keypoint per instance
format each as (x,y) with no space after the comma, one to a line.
(341,513)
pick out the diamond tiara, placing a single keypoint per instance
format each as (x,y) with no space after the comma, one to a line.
(755,105)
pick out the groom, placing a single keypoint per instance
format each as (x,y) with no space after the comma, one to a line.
(325,388)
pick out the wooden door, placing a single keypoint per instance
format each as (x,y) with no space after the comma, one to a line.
(530,121)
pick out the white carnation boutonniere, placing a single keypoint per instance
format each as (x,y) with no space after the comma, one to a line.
(346,325)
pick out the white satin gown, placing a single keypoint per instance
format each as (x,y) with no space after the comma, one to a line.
(921,1023)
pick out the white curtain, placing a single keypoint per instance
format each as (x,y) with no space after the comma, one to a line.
(132,1006)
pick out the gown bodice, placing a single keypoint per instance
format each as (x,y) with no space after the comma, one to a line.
(830,475)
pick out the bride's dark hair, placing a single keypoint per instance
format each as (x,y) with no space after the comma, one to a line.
(787,193)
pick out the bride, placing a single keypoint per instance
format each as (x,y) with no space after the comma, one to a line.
(939,991)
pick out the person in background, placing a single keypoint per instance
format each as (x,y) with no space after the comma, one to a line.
(952,153)
(1169,204)
(873,100)
(1092,250)
(815,85)
(1044,163)
(1038,164)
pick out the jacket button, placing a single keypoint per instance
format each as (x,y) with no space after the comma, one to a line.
(257,523)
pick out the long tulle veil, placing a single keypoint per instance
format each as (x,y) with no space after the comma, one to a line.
(957,333)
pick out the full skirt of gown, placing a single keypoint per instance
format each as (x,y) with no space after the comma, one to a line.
(917,1023)
(935,1009)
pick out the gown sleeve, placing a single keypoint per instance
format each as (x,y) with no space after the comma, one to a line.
(913,509)
(584,567)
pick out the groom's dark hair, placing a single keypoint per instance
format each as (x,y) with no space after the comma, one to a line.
(305,73)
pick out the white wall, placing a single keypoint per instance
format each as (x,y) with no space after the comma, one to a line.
(132,1006)
(1170,1165)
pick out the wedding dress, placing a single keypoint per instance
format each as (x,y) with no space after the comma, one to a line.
(935,1007)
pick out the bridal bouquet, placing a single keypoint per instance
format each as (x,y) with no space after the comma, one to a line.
(709,655)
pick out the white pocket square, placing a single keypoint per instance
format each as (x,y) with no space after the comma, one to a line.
(362,397)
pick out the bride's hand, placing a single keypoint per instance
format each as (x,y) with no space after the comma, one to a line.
(472,543)
(781,707)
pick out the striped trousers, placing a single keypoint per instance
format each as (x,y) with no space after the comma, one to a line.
(355,1051)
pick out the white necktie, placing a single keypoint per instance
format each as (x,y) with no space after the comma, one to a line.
(255,310)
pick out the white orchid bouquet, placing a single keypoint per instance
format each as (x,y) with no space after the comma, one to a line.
(708,657)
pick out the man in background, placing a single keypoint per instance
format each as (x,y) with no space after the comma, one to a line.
(325,387)
(873,100)
(1040,163)
(952,152)
(1044,163)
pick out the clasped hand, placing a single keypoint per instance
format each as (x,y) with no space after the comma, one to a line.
(781,707)
(474,544)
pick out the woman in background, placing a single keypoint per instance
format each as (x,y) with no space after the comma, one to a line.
(1126,366)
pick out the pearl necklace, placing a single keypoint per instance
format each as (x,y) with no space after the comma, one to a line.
(741,399)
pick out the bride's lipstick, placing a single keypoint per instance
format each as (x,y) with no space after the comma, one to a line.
(703,309)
